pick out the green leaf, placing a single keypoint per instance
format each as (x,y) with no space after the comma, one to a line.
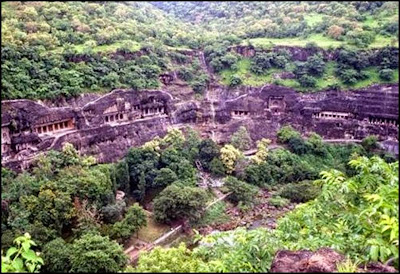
(18,264)
(29,255)
(374,253)
(11,251)
(26,246)
(393,235)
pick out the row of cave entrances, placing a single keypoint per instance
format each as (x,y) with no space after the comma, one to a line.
(114,117)
(109,118)
(50,128)
(383,121)
(240,113)
(331,115)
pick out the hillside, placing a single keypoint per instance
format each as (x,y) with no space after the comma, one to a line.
(52,49)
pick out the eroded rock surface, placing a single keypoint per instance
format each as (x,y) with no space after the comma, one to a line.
(107,126)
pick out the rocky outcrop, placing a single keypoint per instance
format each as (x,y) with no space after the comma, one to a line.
(108,125)
(302,53)
(323,260)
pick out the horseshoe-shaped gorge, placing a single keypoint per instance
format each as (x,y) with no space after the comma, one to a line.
(199,136)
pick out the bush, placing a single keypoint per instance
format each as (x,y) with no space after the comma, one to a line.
(386,74)
(307,81)
(370,143)
(217,167)
(178,202)
(113,213)
(300,192)
(165,176)
(134,219)
(278,201)
(299,146)
(286,133)
(56,256)
(235,81)
(241,191)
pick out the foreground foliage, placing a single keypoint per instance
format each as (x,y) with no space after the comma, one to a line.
(355,215)
(21,258)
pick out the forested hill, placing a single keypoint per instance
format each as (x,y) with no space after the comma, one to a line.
(52,49)
(357,23)
(40,39)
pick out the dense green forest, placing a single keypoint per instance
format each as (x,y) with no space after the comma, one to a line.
(52,49)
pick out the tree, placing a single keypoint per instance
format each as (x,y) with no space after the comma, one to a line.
(208,150)
(241,191)
(262,151)
(217,167)
(229,156)
(94,253)
(165,177)
(134,219)
(175,202)
(113,213)
(21,258)
(56,255)
(143,164)
(315,65)
(241,139)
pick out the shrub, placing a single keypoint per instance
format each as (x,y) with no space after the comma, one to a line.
(278,201)
(134,219)
(307,81)
(286,133)
(299,192)
(386,74)
(235,80)
(370,143)
(241,191)
(165,176)
(299,146)
(217,167)
(177,202)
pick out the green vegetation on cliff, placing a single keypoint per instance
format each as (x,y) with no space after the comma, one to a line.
(52,49)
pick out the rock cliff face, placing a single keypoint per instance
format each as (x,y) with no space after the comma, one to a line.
(107,126)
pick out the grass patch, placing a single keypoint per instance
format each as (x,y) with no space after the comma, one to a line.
(99,49)
(214,215)
(152,231)
(383,41)
(321,41)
